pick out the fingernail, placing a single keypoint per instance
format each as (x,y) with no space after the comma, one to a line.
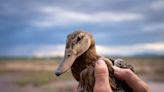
(100,62)
(101,68)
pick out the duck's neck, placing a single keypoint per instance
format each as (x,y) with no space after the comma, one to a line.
(86,59)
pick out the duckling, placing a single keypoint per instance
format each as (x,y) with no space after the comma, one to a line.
(80,55)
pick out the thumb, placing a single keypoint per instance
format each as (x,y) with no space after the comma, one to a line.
(101,70)
(101,77)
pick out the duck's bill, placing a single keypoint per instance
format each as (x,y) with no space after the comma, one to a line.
(65,64)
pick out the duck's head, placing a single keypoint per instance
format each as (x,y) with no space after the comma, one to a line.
(77,43)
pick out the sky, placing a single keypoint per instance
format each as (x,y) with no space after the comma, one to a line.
(120,27)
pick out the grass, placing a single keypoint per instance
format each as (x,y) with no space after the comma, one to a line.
(35,78)
(9,66)
(40,78)
(160,71)
(35,72)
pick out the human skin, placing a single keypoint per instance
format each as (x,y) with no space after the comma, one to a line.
(134,82)
(101,78)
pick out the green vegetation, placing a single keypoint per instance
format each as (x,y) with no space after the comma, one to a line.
(41,71)
(35,78)
(40,78)
(160,71)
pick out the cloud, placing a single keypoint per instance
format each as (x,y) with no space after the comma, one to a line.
(58,16)
(128,50)
(157,5)
(49,51)
(118,25)
(125,50)
(153,27)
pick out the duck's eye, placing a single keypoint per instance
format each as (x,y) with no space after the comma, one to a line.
(78,39)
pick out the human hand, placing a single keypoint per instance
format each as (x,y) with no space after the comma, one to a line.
(131,79)
(101,77)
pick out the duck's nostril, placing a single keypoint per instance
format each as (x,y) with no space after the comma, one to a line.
(69,55)
(57,74)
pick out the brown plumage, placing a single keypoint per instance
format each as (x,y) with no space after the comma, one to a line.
(80,56)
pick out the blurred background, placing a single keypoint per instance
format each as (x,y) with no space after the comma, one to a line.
(33,35)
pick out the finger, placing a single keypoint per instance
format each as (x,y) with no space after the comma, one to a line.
(101,77)
(116,71)
(132,80)
(101,69)
(121,73)
(75,88)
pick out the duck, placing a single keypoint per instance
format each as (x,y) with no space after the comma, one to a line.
(80,56)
